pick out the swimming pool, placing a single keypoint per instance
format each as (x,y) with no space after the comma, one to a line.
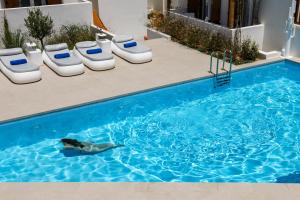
(246,132)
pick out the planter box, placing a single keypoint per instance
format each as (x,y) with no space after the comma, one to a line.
(154,34)
(269,55)
(255,33)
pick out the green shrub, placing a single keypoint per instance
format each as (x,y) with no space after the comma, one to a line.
(18,39)
(39,25)
(155,19)
(193,37)
(176,28)
(217,43)
(249,50)
(71,34)
(204,40)
(12,39)
(236,44)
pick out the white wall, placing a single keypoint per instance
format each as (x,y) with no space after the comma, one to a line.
(295,51)
(62,14)
(255,33)
(1,4)
(157,5)
(179,5)
(273,15)
(124,16)
(203,24)
(161,5)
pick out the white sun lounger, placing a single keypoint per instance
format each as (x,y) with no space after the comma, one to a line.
(93,56)
(15,65)
(59,58)
(137,53)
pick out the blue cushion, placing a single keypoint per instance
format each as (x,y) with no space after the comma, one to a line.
(62,55)
(94,51)
(130,44)
(18,62)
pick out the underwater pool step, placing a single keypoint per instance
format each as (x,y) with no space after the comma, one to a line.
(221,81)
(222,78)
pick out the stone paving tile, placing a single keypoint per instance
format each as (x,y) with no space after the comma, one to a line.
(172,63)
(148,191)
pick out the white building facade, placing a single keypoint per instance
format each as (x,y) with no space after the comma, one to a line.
(130,16)
(119,17)
(127,17)
(62,14)
(271,14)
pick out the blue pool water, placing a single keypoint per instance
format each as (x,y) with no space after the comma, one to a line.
(247,132)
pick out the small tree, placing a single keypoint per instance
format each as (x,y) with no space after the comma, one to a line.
(11,39)
(71,34)
(7,36)
(39,25)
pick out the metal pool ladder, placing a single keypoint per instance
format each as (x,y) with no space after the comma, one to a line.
(221,78)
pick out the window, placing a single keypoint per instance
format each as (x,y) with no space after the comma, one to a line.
(38,2)
(199,7)
(51,2)
(11,3)
(25,3)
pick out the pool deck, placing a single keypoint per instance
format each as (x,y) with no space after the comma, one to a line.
(147,191)
(172,63)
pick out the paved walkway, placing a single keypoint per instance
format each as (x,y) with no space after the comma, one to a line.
(172,63)
(147,191)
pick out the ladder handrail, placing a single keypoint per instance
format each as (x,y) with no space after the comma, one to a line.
(212,55)
(231,58)
(225,59)
(216,55)
(217,68)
